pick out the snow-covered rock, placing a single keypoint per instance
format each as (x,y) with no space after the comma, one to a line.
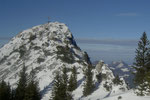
(105,87)
(44,48)
(128,95)
(107,77)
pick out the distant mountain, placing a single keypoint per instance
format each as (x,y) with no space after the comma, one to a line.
(94,63)
(123,70)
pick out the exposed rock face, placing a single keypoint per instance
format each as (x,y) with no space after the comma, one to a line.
(106,77)
(99,66)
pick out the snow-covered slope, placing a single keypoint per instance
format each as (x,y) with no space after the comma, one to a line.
(104,86)
(123,70)
(128,95)
(47,49)
(44,48)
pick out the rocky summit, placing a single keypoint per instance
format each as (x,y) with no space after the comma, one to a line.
(47,49)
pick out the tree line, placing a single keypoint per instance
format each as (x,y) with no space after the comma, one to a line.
(27,86)
(63,87)
(27,89)
(142,72)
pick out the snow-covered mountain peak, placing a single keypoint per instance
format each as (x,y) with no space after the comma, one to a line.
(118,64)
(44,48)
(47,49)
(53,34)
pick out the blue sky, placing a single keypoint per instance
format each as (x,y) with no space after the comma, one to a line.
(88,20)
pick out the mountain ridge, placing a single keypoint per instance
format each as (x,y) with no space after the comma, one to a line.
(47,49)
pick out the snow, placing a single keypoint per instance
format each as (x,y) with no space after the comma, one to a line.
(120,65)
(53,34)
(56,34)
(129,95)
(125,69)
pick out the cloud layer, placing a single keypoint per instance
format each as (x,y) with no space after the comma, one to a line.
(109,49)
(125,42)
(127,14)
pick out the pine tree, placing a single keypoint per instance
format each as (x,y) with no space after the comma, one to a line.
(71,83)
(65,77)
(32,90)
(21,86)
(89,84)
(141,63)
(60,91)
(56,92)
(13,93)
(8,92)
(117,80)
(5,91)
(64,87)
(73,80)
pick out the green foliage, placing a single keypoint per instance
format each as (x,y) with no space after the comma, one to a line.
(22,84)
(64,80)
(37,48)
(46,28)
(56,92)
(59,91)
(143,89)
(23,91)
(89,84)
(142,51)
(28,91)
(32,37)
(45,44)
(39,60)
(117,80)
(99,77)
(65,54)
(3,59)
(71,83)
(73,80)
(46,53)
(13,93)
(32,90)
(142,61)
(107,86)
(22,51)
(120,97)
(5,91)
